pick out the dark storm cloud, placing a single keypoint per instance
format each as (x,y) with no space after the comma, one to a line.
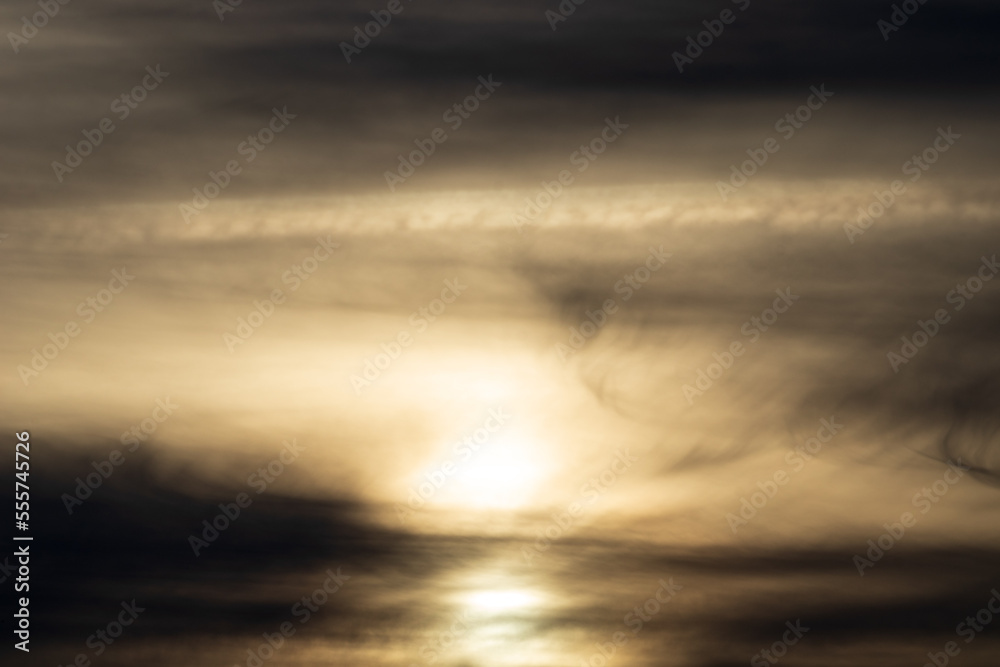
(130,541)
(619,44)
(353,119)
(736,601)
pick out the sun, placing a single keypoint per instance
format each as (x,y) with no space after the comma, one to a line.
(502,473)
(501,601)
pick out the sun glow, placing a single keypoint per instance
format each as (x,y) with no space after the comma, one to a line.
(502,472)
(497,601)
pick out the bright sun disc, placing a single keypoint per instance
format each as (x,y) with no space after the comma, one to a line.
(502,473)
(499,601)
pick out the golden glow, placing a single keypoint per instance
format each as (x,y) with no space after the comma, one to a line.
(499,601)
(503,472)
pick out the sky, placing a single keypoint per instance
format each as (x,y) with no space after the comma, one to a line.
(526,334)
